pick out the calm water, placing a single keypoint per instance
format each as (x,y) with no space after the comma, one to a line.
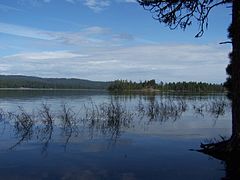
(94,135)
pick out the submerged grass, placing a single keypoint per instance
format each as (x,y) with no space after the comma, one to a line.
(107,119)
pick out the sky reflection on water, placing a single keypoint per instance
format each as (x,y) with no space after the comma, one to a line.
(94,135)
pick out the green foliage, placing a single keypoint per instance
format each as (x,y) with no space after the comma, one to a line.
(124,85)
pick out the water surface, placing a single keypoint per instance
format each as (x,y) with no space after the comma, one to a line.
(96,135)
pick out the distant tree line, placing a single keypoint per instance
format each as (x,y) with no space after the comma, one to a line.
(125,85)
(12,81)
(15,81)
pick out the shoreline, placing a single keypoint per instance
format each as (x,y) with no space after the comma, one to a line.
(114,92)
(167,91)
(50,89)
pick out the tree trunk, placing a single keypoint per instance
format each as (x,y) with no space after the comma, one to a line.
(236,70)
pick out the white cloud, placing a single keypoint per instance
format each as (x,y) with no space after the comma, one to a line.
(25,31)
(45,55)
(180,62)
(34,2)
(97,5)
(6,8)
(96,30)
(93,36)
(70,1)
(123,36)
(130,1)
(102,62)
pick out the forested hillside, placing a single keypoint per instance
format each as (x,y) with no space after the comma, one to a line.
(16,81)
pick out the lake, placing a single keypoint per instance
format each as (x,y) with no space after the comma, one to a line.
(89,134)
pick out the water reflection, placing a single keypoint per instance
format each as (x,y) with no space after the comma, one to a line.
(2,121)
(68,123)
(45,129)
(108,119)
(109,125)
(23,126)
(215,107)
(162,110)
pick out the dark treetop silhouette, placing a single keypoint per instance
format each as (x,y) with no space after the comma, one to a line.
(151,85)
(183,13)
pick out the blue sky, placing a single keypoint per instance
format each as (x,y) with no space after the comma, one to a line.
(107,40)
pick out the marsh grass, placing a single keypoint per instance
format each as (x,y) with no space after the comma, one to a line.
(45,131)
(23,125)
(215,108)
(69,123)
(162,110)
(106,120)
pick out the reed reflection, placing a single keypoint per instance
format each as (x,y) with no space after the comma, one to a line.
(46,127)
(23,126)
(214,108)
(68,123)
(108,120)
(161,110)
